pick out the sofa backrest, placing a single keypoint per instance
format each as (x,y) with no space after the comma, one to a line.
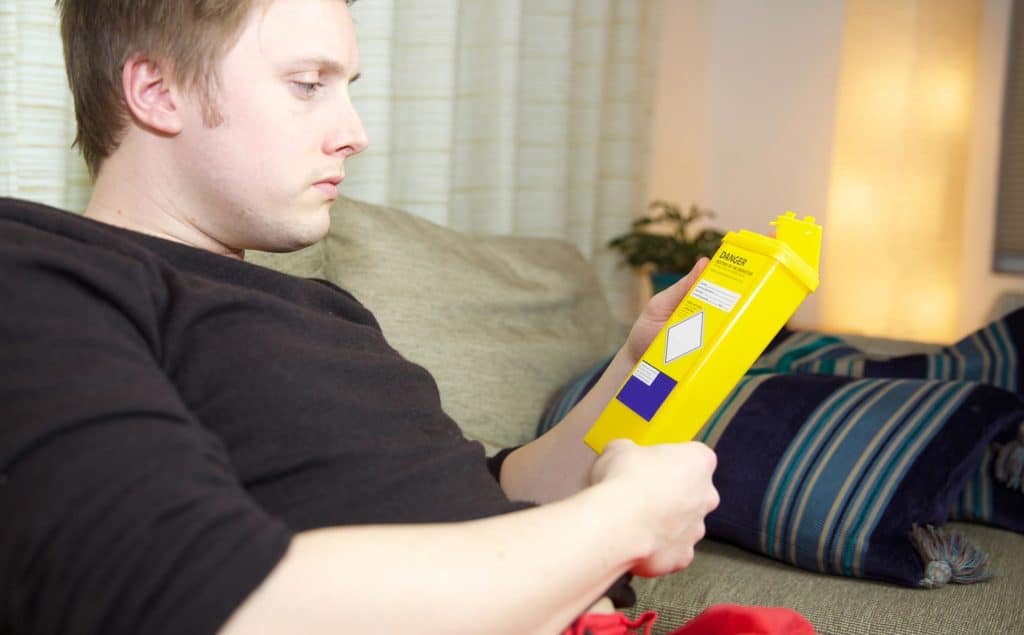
(500,322)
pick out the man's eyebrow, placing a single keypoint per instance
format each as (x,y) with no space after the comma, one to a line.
(326,65)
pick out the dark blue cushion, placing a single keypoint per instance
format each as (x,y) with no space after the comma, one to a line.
(568,395)
(831,473)
(990,355)
(989,499)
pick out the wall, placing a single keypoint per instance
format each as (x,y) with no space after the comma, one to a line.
(744,109)
(682,104)
(744,116)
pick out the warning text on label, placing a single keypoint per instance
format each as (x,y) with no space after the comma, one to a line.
(715,295)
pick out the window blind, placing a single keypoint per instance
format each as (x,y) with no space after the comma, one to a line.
(1009,242)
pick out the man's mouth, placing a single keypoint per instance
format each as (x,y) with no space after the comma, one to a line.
(329,186)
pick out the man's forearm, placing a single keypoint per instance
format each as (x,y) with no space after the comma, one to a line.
(528,572)
(558,464)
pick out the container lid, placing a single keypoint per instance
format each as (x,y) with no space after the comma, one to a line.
(802,234)
(780,251)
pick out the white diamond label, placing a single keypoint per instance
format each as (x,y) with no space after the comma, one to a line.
(685,337)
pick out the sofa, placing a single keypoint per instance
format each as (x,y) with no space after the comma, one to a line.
(504,323)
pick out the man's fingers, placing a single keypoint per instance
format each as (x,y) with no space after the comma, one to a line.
(662,304)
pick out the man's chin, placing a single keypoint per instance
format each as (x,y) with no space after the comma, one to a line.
(294,243)
(293,238)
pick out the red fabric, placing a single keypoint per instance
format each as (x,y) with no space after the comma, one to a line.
(732,619)
(720,619)
(610,624)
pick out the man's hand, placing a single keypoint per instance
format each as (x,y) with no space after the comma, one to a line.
(667,489)
(657,312)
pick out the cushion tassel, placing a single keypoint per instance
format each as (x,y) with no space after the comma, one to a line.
(1009,464)
(948,557)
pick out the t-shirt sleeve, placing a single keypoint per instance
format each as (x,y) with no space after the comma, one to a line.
(119,512)
(495,463)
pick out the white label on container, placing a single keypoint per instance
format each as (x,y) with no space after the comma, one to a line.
(645,373)
(715,295)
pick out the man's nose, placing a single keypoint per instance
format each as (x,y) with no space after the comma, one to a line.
(349,136)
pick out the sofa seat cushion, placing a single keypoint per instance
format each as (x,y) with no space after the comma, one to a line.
(722,573)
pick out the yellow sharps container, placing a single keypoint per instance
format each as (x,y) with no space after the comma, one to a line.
(750,288)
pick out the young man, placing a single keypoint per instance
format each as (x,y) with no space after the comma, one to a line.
(191,443)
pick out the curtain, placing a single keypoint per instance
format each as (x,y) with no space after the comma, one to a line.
(37,122)
(1009,234)
(521,117)
(524,117)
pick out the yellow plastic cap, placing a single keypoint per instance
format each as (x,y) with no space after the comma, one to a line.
(802,235)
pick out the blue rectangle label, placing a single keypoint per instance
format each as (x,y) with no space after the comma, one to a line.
(645,390)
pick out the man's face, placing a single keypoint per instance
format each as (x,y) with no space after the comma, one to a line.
(265,177)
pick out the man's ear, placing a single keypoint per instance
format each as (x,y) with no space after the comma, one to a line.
(151,94)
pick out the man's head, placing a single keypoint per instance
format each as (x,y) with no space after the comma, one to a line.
(99,37)
(241,104)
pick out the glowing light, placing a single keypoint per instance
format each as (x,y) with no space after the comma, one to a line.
(944,100)
(896,195)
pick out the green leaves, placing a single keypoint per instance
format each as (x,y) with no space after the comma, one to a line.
(662,238)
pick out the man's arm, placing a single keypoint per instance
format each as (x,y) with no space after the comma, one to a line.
(558,464)
(531,571)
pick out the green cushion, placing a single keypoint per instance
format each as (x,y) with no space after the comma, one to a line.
(500,322)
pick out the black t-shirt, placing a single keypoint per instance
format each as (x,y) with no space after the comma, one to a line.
(169,417)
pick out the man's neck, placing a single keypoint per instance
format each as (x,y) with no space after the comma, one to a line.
(127,194)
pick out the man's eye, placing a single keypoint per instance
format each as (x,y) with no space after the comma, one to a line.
(307,89)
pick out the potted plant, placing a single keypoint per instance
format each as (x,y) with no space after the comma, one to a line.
(663,243)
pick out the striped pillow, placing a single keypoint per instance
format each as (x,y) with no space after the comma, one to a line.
(832,473)
(991,497)
(570,394)
(990,355)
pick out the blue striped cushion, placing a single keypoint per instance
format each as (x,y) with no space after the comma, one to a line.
(571,393)
(830,473)
(987,500)
(990,355)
